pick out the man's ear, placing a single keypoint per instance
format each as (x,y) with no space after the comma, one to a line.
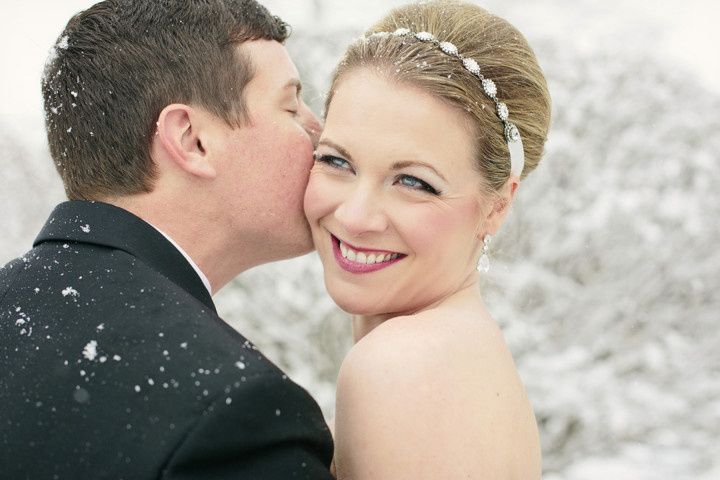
(179,134)
(501,203)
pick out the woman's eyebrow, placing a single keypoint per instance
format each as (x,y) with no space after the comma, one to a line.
(329,143)
(415,163)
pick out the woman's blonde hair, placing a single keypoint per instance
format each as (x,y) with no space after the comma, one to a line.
(501,51)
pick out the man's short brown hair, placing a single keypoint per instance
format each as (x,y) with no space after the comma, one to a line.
(119,63)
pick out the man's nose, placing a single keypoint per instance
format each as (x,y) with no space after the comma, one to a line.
(312,125)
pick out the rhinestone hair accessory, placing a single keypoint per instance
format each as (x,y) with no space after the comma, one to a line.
(511,132)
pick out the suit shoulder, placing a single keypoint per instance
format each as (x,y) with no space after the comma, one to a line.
(8,274)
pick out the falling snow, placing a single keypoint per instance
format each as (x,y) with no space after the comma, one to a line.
(63,42)
(70,291)
(90,350)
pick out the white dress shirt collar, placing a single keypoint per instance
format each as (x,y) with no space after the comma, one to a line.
(202,276)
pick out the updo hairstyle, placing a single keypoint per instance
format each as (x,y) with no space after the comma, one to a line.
(503,54)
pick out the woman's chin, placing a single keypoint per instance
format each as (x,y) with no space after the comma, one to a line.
(353,305)
(366,308)
(366,301)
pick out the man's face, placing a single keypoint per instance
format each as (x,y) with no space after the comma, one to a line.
(265,164)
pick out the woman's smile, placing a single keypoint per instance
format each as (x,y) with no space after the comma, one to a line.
(362,260)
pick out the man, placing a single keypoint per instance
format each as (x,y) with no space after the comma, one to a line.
(184,147)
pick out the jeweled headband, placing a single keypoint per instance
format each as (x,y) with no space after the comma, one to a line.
(512,134)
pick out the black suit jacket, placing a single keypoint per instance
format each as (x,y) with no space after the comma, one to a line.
(114,364)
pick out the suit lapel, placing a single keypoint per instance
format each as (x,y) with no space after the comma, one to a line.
(109,226)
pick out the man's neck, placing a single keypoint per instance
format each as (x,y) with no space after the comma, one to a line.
(192,263)
(183,228)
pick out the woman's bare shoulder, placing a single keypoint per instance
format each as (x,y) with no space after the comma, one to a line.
(430,340)
(452,341)
(436,382)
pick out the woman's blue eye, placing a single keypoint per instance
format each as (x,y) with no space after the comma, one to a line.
(408,181)
(417,184)
(335,162)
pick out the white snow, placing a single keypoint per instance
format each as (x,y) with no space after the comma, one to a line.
(70,291)
(90,350)
(63,42)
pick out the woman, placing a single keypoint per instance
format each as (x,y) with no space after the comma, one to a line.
(433,119)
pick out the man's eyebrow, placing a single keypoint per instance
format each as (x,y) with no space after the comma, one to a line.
(414,163)
(294,83)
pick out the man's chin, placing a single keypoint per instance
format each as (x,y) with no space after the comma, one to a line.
(299,246)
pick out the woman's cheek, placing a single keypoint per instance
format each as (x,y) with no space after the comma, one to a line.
(317,199)
(439,229)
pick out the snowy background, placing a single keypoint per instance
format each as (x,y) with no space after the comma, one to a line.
(606,279)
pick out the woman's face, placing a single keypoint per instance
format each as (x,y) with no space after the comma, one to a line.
(394,203)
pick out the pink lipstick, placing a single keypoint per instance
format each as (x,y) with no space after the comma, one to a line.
(356,267)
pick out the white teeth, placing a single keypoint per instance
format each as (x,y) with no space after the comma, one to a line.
(365,258)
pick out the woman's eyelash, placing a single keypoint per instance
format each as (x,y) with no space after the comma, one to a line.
(331,160)
(417,184)
(408,181)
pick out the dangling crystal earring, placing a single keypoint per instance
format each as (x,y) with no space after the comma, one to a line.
(484,263)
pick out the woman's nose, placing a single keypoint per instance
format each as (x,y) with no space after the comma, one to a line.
(362,212)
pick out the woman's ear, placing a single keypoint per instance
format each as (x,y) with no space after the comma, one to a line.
(179,135)
(502,201)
